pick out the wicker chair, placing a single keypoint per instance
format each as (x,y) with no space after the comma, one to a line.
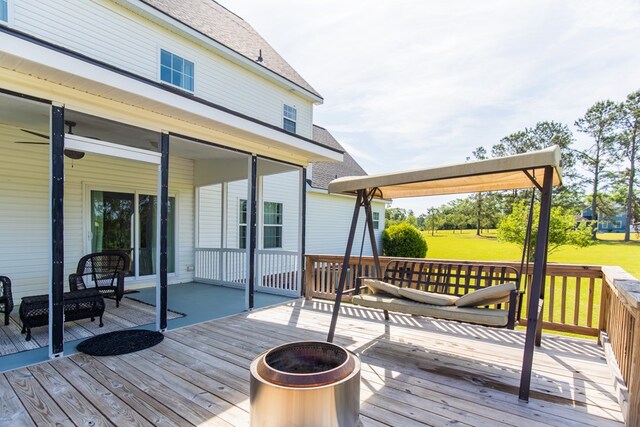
(6,299)
(104,271)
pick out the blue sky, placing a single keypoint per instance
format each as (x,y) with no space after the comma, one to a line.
(411,84)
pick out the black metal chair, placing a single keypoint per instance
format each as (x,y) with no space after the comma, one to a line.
(6,299)
(104,271)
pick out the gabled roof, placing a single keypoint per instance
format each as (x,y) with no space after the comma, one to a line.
(216,22)
(322,173)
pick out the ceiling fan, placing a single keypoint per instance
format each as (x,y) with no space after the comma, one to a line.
(72,154)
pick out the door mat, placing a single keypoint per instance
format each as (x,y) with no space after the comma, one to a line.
(120,342)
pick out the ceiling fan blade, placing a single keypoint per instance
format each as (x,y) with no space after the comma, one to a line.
(41,135)
(31,142)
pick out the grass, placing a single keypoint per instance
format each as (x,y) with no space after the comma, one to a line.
(609,249)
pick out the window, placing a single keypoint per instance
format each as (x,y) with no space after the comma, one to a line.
(4,11)
(616,224)
(113,226)
(176,70)
(376,220)
(242,227)
(272,225)
(289,119)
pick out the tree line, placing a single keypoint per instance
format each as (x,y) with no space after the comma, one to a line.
(603,176)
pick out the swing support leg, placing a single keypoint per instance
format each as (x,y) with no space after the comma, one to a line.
(363,199)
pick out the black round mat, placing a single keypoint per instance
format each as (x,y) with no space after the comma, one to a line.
(120,342)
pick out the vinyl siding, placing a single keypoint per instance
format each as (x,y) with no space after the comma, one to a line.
(24,209)
(329,221)
(110,33)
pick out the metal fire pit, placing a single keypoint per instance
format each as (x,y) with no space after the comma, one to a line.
(305,383)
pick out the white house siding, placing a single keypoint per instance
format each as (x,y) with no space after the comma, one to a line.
(24,224)
(209,218)
(24,214)
(329,221)
(107,32)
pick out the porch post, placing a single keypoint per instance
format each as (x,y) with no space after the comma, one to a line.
(345,265)
(301,229)
(163,209)
(56,291)
(537,284)
(252,229)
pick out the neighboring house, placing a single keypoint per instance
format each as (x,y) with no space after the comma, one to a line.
(118,120)
(329,215)
(608,224)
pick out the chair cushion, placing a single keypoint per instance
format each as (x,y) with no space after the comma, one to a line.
(487,296)
(427,297)
(378,286)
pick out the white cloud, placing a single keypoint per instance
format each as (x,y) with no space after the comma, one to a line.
(412,83)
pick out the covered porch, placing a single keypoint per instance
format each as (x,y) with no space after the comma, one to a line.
(80,179)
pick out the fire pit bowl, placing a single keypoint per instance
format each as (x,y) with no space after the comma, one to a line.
(309,383)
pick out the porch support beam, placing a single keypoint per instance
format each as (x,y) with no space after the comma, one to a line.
(302,226)
(345,265)
(56,302)
(534,309)
(163,201)
(253,219)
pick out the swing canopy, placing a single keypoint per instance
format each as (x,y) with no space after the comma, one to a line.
(505,173)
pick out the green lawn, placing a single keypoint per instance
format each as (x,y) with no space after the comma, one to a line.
(465,245)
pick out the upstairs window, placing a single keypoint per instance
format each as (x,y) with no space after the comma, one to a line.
(175,70)
(289,118)
(4,11)
(376,220)
(272,225)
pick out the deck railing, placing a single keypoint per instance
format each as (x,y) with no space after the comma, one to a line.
(565,308)
(620,324)
(585,300)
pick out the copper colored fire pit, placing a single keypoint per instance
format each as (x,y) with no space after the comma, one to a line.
(305,383)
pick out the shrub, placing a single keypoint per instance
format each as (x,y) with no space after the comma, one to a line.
(403,240)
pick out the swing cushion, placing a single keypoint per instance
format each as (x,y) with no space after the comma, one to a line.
(428,297)
(487,296)
(380,287)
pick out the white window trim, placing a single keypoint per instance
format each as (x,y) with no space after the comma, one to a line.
(287,118)
(240,224)
(147,191)
(376,222)
(264,225)
(159,69)
(9,21)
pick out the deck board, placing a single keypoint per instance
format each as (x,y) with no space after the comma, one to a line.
(415,371)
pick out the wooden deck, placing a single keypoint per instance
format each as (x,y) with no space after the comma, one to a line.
(415,371)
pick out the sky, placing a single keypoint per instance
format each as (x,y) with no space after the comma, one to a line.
(411,84)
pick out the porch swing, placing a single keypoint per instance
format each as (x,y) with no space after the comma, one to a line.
(539,170)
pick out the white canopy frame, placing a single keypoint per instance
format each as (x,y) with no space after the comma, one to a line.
(538,170)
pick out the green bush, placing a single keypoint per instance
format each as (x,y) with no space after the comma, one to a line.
(403,240)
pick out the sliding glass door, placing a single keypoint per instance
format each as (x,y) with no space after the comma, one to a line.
(117,217)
